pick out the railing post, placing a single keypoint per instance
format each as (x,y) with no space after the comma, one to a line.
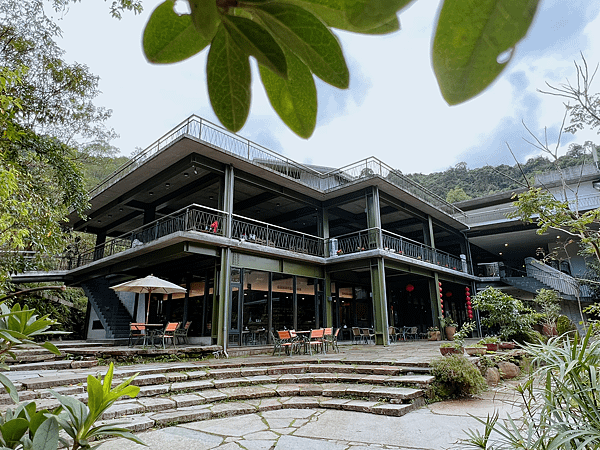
(186,220)
(380,236)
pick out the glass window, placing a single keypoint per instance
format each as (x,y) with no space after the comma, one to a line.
(255,307)
(305,295)
(283,301)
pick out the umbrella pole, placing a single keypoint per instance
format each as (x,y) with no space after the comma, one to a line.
(148,305)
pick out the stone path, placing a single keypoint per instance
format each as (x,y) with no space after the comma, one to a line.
(437,426)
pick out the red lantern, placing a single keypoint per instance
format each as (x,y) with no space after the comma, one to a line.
(469,303)
(448,294)
(410,288)
(440,283)
(468,297)
(467,289)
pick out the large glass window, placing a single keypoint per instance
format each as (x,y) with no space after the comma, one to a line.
(305,296)
(255,307)
(283,301)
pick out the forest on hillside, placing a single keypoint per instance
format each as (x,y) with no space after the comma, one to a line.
(461,183)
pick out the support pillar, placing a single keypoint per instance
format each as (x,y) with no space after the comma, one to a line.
(379,301)
(328,301)
(226,204)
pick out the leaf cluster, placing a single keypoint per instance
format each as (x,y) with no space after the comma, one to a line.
(456,377)
(504,311)
(560,398)
(292,41)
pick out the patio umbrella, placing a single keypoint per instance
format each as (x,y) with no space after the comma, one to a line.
(149,285)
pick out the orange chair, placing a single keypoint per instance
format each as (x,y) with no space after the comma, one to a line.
(168,333)
(286,341)
(137,331)
(316,340)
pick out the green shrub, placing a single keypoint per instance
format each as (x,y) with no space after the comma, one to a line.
(564,325)
(455,377)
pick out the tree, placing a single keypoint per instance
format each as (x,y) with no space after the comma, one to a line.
(292,41)
(48,123)
(457,194)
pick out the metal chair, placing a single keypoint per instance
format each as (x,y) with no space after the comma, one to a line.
(393,334)
(356,335)
(168,333)
(411,333)
(137,331)
(367,334)
(332,340)
(316,340)
(182,332)
(286,342)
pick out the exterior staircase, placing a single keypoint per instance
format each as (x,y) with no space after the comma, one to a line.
(180,392)
(526,284)
(113,315)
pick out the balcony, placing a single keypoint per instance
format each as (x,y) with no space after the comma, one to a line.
(244,230)
(376,238)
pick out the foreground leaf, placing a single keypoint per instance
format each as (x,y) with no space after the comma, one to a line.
(46,435)
(308,38)
(170,38)
(228,79)
(470,36)
(9,387)
(257,42)
(205,17)
(294,99)
(334,14)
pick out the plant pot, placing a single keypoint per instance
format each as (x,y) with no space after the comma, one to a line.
(434,336)
(450,332)
(451,351)
(491,347)
(507,345)
(474,351)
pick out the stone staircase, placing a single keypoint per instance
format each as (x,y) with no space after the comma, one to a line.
(172,393)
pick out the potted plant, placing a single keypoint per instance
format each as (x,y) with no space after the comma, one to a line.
(449,326)
(459,340)
(549,302)
(448,348)
(433,334)
(491,342)
(475,350)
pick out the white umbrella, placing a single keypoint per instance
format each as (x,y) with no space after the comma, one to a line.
(149,285)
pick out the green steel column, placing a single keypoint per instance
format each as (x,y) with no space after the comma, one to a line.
(225,275)
(436,307)
(431,233)
(379,301)
(374,218)
(328,303)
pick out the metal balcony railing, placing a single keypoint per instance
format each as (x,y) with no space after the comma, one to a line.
(374,238)
(250,230)
(228,142)
(192,218)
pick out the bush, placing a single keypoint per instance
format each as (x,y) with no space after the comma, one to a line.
(455,377)
(564,325)
(560,397)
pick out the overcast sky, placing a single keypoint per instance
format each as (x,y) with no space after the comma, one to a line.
(393,109)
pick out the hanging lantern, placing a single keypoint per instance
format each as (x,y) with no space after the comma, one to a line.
(440,283)
(467,289)
(448,294)
(410,288)
(468,297)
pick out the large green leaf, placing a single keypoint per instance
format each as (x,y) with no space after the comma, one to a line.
(341,14)
(205,17)
(46,435)
(12,430)
(294,99)
(308,38)
(10,388)
(470,37)
(170,38)
(228,79)
(257,42)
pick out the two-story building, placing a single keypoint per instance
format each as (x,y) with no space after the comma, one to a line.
(263,243)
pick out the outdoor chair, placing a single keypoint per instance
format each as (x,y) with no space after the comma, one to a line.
(286,343)
(137,332)
(367,334)
(356,336)
(393,333)
(327,334)
(167,333)
(412,333)
(181,333)
(316,340)
(331,340)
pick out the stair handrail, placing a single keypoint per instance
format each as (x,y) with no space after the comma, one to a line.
(552,277)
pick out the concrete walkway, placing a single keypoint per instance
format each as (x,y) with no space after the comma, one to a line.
(436,426)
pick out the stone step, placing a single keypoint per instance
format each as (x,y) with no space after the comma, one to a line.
(166,417)
(55,365)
